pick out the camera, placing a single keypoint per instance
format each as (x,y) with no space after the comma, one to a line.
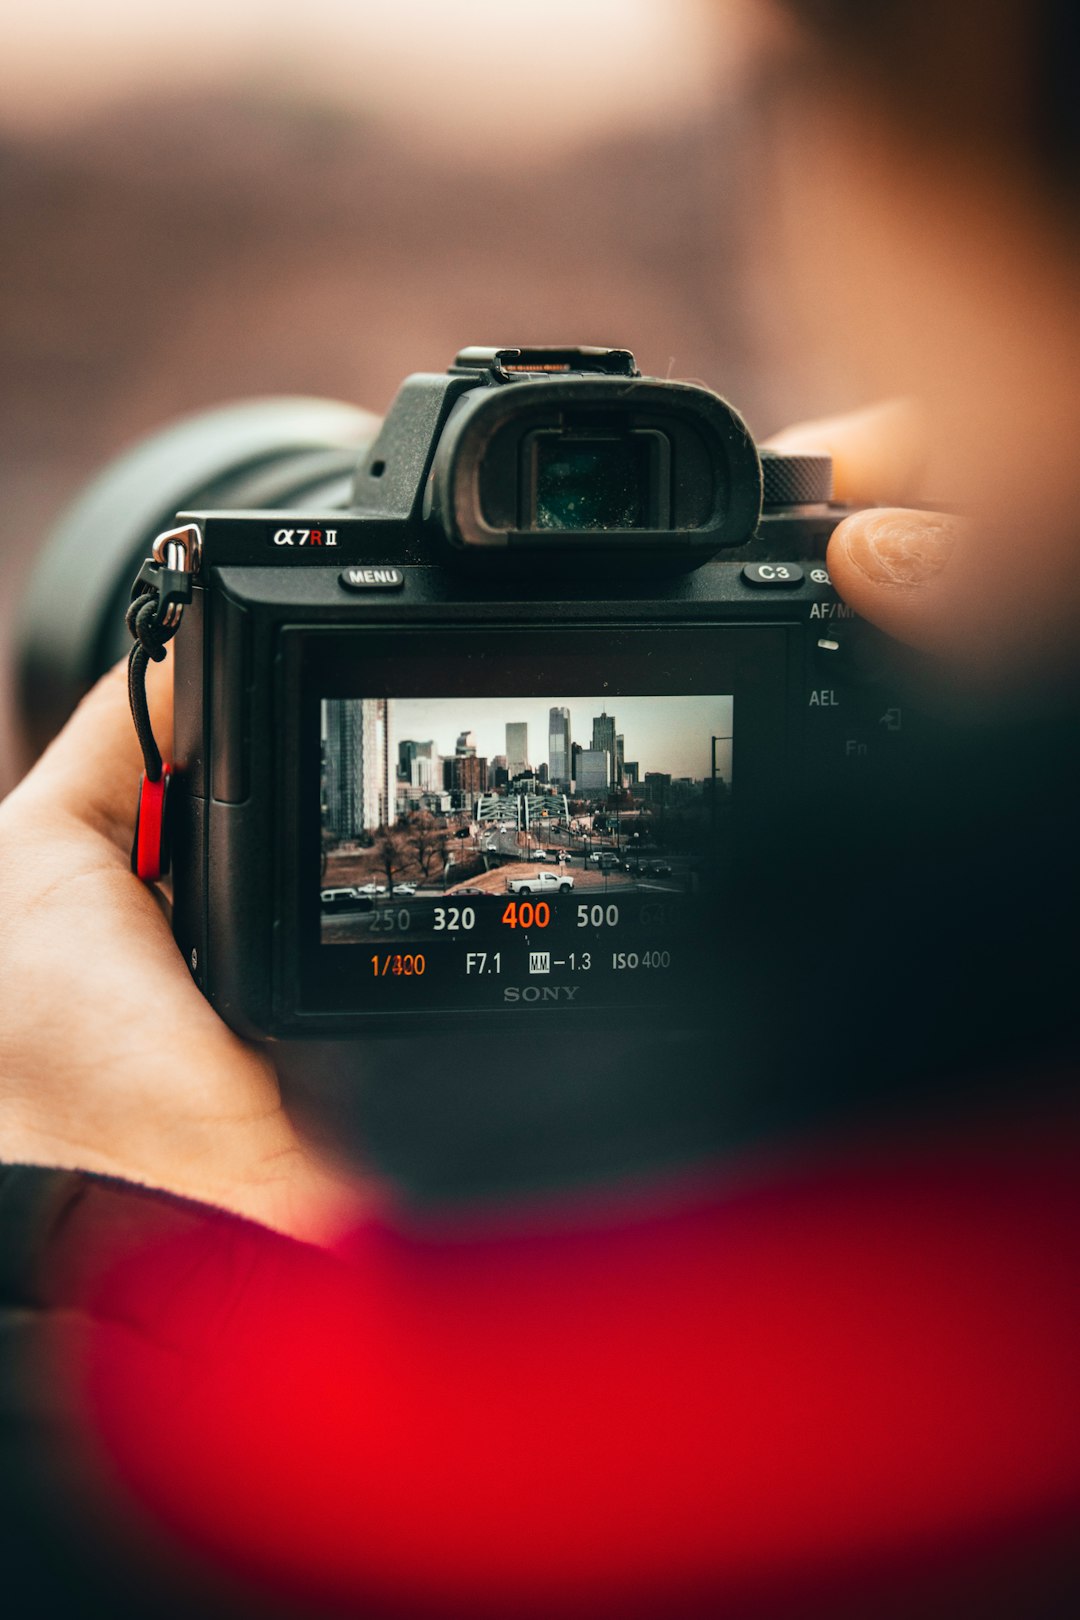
(487,737)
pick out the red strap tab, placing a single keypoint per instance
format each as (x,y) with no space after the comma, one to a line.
(149,862)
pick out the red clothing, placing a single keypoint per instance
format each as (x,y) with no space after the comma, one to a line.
(847,1382)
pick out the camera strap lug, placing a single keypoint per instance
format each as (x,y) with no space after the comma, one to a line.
(161,590)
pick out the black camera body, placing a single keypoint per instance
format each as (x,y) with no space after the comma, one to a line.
(489,745)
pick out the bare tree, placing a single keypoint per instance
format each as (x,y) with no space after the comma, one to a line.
(392,853)
(426,837)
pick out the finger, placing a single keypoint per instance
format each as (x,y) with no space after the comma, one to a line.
(878,454)
(91,769)
(891,565)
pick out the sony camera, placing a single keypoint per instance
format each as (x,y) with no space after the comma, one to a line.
(491,734)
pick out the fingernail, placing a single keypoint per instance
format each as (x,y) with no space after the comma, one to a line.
(900,547)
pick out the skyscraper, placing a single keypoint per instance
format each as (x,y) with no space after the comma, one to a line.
(427,771)
(603,736)
(593,772)
(559,744)
(408,751)
(517,747)
(357,765)
(620,756)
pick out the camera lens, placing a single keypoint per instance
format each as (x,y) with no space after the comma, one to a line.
(273,453)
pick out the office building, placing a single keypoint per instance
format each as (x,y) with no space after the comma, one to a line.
(657,788)
(467,774)
(408,751)
(603,737)
(427,773)
(559,744)
(357,764)
(593,772)
(517,748)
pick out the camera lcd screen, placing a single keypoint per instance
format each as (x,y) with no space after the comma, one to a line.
(586,483)
(543,846)
(538,816)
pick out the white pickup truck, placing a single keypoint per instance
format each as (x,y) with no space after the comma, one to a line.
(541,883)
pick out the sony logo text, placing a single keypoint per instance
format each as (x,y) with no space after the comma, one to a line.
(533,993)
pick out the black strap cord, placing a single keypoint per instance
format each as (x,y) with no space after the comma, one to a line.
(153,618)
(150,642)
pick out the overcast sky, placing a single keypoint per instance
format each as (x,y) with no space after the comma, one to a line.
(662,733)
(547,69)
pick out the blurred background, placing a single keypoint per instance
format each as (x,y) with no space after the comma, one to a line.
(207,203)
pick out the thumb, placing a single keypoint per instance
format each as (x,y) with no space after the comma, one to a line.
(892,564)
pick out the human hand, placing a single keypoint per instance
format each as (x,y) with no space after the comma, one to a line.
(110,1059)
(889,562)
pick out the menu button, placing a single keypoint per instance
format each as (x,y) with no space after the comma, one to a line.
(372,579)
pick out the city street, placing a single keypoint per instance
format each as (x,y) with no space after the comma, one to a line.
(414,915)
(587,879)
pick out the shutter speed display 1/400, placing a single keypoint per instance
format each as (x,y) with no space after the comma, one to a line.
(540,850)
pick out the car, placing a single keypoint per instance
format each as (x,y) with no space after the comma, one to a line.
(337,899)
(371,888)
(540,855)
(541,883)
(405,888)
(467,890)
